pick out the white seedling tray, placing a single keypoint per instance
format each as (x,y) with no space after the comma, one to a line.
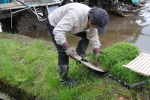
(140,64)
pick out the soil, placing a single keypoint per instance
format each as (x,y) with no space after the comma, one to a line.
(15,36)
(22,38)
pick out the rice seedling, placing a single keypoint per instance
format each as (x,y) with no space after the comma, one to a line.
(126,74)
(119,52)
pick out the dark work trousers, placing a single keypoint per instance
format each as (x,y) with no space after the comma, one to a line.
(81,47)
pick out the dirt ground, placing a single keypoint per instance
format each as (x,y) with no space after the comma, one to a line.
(22,38)
(15,36)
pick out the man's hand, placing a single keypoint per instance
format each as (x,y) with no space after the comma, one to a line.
(97,53)
(69,50)
(96,58)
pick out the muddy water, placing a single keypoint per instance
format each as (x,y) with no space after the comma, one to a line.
(135,29)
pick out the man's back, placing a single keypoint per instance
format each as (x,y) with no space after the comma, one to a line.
(74,10)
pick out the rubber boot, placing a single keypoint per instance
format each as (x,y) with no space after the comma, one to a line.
(82,46)
(63,70)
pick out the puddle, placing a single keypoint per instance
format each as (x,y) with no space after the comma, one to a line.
(143,37)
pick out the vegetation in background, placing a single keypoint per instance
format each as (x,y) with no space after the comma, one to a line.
(32,67)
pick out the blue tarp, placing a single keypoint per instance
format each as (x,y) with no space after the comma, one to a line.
(135,1)
(3,1)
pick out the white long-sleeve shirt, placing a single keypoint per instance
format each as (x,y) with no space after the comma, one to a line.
(72,18)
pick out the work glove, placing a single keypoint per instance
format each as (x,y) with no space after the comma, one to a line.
(97,53)
(69,50)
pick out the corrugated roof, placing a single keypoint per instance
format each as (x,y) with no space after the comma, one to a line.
(140,64)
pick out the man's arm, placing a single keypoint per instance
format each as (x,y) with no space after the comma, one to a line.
(93,37)
(63,27)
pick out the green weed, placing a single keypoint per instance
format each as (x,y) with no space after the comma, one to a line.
(32,67)
(23,65)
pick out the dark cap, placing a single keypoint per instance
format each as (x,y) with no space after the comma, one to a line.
(100,19)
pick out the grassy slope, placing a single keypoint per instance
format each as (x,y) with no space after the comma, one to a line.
(31,65)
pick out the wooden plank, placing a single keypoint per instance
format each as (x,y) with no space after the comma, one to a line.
(90,64)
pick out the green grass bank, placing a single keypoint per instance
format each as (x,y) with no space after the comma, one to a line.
(28,71)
